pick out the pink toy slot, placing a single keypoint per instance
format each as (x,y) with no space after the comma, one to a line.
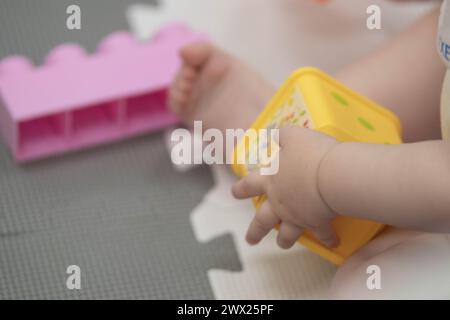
(76,100)
(138,115)
(42,134)
(95,122)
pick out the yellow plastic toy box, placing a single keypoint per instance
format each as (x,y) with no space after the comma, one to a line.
(313,99)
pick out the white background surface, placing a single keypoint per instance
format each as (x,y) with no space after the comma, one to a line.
(278,36)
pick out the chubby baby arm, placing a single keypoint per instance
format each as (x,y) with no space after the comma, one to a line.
(407,186)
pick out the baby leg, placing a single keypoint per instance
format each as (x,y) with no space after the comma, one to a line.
(217,89)
(412,265)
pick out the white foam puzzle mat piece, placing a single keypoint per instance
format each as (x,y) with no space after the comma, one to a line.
(268,272)
(278,36)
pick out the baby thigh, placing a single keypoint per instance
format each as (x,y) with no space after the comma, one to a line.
(398,264)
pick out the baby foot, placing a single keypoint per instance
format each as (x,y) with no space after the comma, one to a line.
(217,89)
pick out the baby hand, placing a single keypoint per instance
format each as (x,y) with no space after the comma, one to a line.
(294,199)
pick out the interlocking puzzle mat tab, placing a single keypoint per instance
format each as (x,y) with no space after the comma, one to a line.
(268,272)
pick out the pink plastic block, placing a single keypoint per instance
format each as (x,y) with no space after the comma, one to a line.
(76,100)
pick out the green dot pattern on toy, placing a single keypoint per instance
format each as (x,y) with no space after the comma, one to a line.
(366,124)
(339,99)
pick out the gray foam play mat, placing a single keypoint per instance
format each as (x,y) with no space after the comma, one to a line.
(119,212)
